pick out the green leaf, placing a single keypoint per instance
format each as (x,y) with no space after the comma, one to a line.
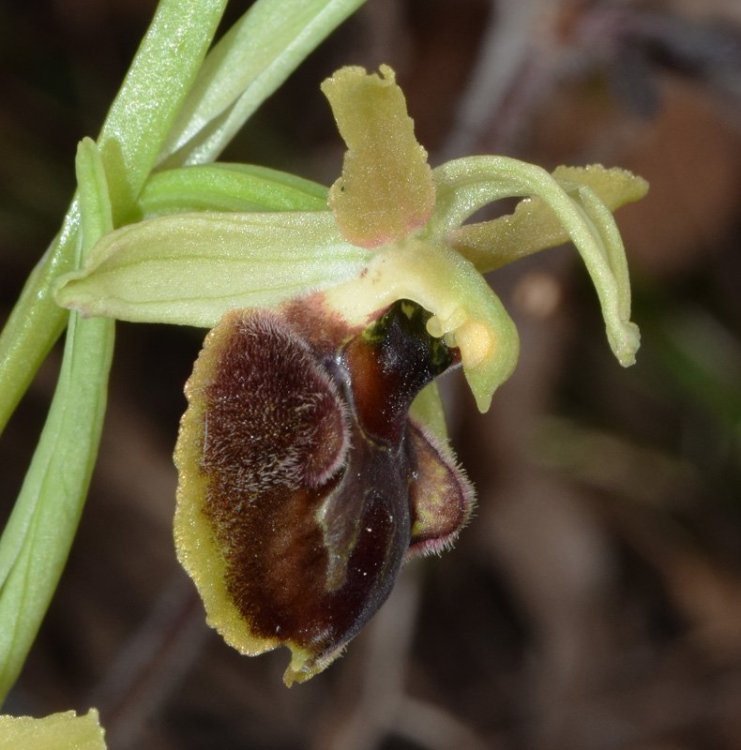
(36,321)
(229,187)
(96,211)
(37,538)
(465,185)
(189,269)
(246,66)
(160,78)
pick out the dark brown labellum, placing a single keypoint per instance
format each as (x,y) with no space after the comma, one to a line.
(310,483)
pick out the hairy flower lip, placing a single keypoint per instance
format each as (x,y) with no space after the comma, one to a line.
(280,560)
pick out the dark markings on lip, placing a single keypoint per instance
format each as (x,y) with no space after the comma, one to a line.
(310,464)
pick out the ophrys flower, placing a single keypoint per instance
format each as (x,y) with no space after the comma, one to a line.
(304,482)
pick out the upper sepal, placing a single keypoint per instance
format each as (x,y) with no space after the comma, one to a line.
(386,190)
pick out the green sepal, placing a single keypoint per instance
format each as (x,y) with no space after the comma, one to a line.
(189,269)
(228,187)
(465,185)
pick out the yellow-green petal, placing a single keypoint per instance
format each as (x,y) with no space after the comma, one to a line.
(62,731)
(465,185)
(533,226)
(386,189)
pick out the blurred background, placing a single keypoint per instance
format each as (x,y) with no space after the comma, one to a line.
(594,602)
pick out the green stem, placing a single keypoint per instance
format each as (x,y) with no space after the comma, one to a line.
(36,321)
(38,536)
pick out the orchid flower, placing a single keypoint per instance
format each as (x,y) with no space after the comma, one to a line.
(312,457)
